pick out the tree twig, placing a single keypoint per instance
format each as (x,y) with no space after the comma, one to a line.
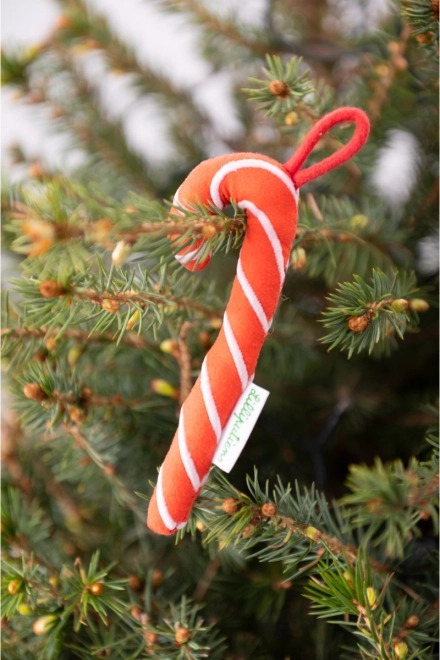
(83,336)
(185,361)
(206,579)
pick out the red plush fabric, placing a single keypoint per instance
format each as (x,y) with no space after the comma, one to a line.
(264,189)
(360,136)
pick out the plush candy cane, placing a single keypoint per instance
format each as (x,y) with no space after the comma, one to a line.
(268,192)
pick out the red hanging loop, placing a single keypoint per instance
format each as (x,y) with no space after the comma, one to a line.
(360,135)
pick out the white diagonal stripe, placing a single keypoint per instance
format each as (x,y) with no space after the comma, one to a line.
(188,256)
(235,165)
(270,233)
(209,401)
(235,352)
(177,202)
(252,298)
(192,255)
(185,454)
(162,505)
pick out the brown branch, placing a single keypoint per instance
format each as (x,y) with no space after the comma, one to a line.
(206,579)
(171,228)
(88,398)
(130,338)
(185,361)
(195,226)
(143,300)
(320,50)
(12,437)
(314,236)
(107,469)
(333,544)
(387,73)
(312,204)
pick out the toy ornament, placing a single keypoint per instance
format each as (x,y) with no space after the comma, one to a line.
(268,191)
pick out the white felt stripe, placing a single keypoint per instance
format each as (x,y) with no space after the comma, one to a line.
(235,352)
(251,297)
(235,165)
(209,401)
(162,505)
(177,202)
(188,256)
(270,233)
(185,454)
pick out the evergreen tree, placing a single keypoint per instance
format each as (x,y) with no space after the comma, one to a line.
(330,514)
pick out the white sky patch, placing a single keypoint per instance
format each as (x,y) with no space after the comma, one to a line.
(167,42)
(354,17)
(428,255)
(26,22)
(29,127)
(146,129)
(397,167)
(252,12)
(143,119)
(214,97)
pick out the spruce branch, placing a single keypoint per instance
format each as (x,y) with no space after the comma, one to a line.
(288,529)
(385,74)
(89,31)
(423,17)
(12,442)
(113,296)
(403,497)
(78,113)
(123,495)
(284,87)
(81,336)
(335,236)
(65,217)
(365,315)
(90,600)
(387,628)
(15,66)
(258,42)
(25,527)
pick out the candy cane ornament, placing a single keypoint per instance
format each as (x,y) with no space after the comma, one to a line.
(268,191)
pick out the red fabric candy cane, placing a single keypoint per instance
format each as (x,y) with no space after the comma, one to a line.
(268,192)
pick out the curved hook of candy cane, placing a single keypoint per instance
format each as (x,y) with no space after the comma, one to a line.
(360,135)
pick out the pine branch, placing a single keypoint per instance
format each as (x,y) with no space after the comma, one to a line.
(258,42)
(423,17)
(365,315)
(403,498)
(94,603)
(117,294)
(386,74)
(284,87)
(231,517)
(82,336)
(95,34)
(99,137)
(66,222)
(334,237)
(123,495)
